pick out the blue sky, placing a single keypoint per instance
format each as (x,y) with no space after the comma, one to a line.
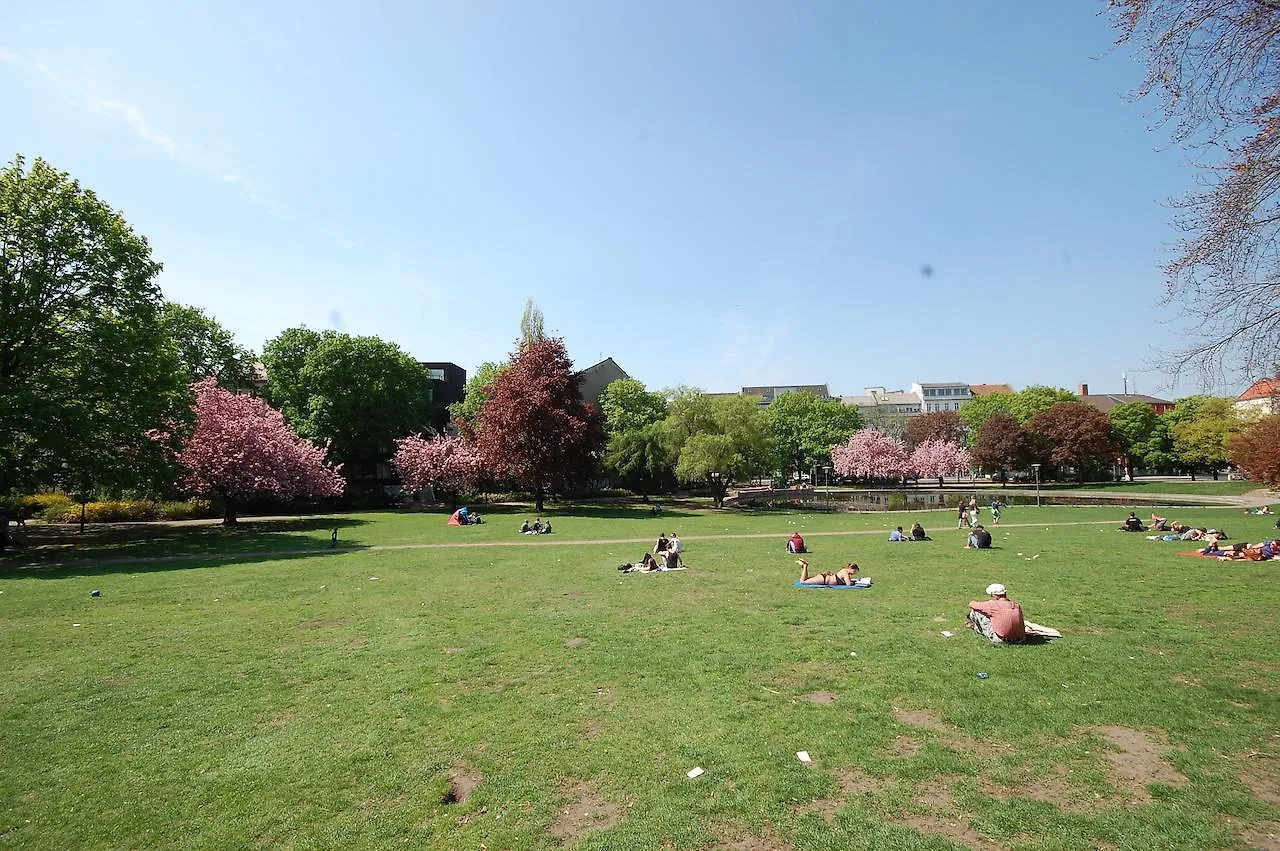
(714,194)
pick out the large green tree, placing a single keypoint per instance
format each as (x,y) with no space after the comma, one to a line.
(1201,432)
(1029,401)
(358,394)
(979,409)
(463,414)
(1142,436)
(86,368)
(802,429)
(717,439)
(628,406)
(206,349)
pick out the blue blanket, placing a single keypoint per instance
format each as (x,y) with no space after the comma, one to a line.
(831,587)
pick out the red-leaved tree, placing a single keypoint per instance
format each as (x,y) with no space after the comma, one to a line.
(535,427)
(1077,434)
(241,447)
(868,454)
(444,463)
(940,458)
(935,425)
(1002,445)
(1256,451)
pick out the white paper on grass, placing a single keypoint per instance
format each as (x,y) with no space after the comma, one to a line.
(803,756)
(695,772)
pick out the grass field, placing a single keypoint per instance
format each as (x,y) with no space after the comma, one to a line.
(434,687)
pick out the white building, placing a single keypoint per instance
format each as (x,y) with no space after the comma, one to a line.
(878,400)
(942,395)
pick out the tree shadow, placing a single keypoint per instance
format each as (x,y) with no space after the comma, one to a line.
(108,545)
(158,564)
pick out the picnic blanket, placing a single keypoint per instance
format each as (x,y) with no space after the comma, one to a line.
(864,582)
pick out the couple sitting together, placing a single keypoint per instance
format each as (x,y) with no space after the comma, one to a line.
(917,534)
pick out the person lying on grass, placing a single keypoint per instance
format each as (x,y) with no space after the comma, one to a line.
(1180,532)
(844,576)
(1158,523)
(999,619)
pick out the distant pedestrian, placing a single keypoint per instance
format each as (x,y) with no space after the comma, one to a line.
(996,505)
(962,517)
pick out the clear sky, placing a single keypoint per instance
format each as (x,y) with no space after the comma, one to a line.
(715,194)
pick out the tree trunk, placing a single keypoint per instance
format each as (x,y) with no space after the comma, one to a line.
(82,507)
(229,511)
(939,481)
(539,493)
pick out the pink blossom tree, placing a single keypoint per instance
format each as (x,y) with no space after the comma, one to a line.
(868,454)
(241,447)
(447,463)
(940,458)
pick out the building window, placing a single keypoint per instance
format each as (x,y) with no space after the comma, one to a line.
(437,375)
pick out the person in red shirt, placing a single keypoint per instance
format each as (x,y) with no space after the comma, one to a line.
(998,619)
(795,544)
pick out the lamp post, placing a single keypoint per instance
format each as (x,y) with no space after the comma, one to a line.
(1035,468)
(826,472)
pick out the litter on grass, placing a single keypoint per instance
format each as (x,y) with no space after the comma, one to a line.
(946,633)
(803,756)
(695,772)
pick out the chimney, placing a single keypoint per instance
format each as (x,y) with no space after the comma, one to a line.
(1084,390)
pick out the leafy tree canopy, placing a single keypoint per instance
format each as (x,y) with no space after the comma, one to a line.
(464,413)
(86,370)
(802,429)
(628,406)
(979,409)
(206,349)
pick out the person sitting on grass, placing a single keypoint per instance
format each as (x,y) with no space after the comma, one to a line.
(918,533)
(525,528)
(1132,524)
(979,539)
(896,535)
(844,576)
(795,544)
(999,619)
(660,548)
(674,548)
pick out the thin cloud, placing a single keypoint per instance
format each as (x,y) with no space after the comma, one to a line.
(83,90)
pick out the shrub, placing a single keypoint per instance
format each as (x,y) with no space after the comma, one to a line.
(897,501)
(108,511)
(190,509)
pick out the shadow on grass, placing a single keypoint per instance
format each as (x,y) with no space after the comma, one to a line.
(170,546)
(157,564)
(565,509)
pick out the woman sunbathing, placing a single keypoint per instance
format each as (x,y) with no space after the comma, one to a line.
(843,576)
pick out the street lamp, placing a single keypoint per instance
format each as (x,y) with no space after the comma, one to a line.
(826,472)
(1035,468)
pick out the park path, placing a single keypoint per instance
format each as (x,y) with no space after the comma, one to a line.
(538,541)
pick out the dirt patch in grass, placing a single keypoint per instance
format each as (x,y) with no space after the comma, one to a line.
(450,650)
(323,623)
(1262,776)
(590,730)
(463,780)
(585,813)
(1137,761)
(1052,788)
(852,782)
(823,697)
(905,747)
(957,830)
(1264,837)
(357,642)
(574,642)
(919,718)
(768,842)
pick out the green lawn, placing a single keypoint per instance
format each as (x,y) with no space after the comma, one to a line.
(314,698)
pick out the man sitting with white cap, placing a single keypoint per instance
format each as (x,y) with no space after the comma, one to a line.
(999,619)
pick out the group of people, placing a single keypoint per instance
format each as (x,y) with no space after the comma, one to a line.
(1261,551)
(967,513)
(537,527)
(464,517)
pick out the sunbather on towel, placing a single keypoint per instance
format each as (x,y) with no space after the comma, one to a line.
(844,576)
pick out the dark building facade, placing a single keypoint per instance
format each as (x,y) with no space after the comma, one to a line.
(448,385)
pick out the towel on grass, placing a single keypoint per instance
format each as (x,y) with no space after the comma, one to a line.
(863,582)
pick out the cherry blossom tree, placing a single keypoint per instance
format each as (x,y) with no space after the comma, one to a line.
(868,454)
(241,447)
(938,458)
(446,463)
